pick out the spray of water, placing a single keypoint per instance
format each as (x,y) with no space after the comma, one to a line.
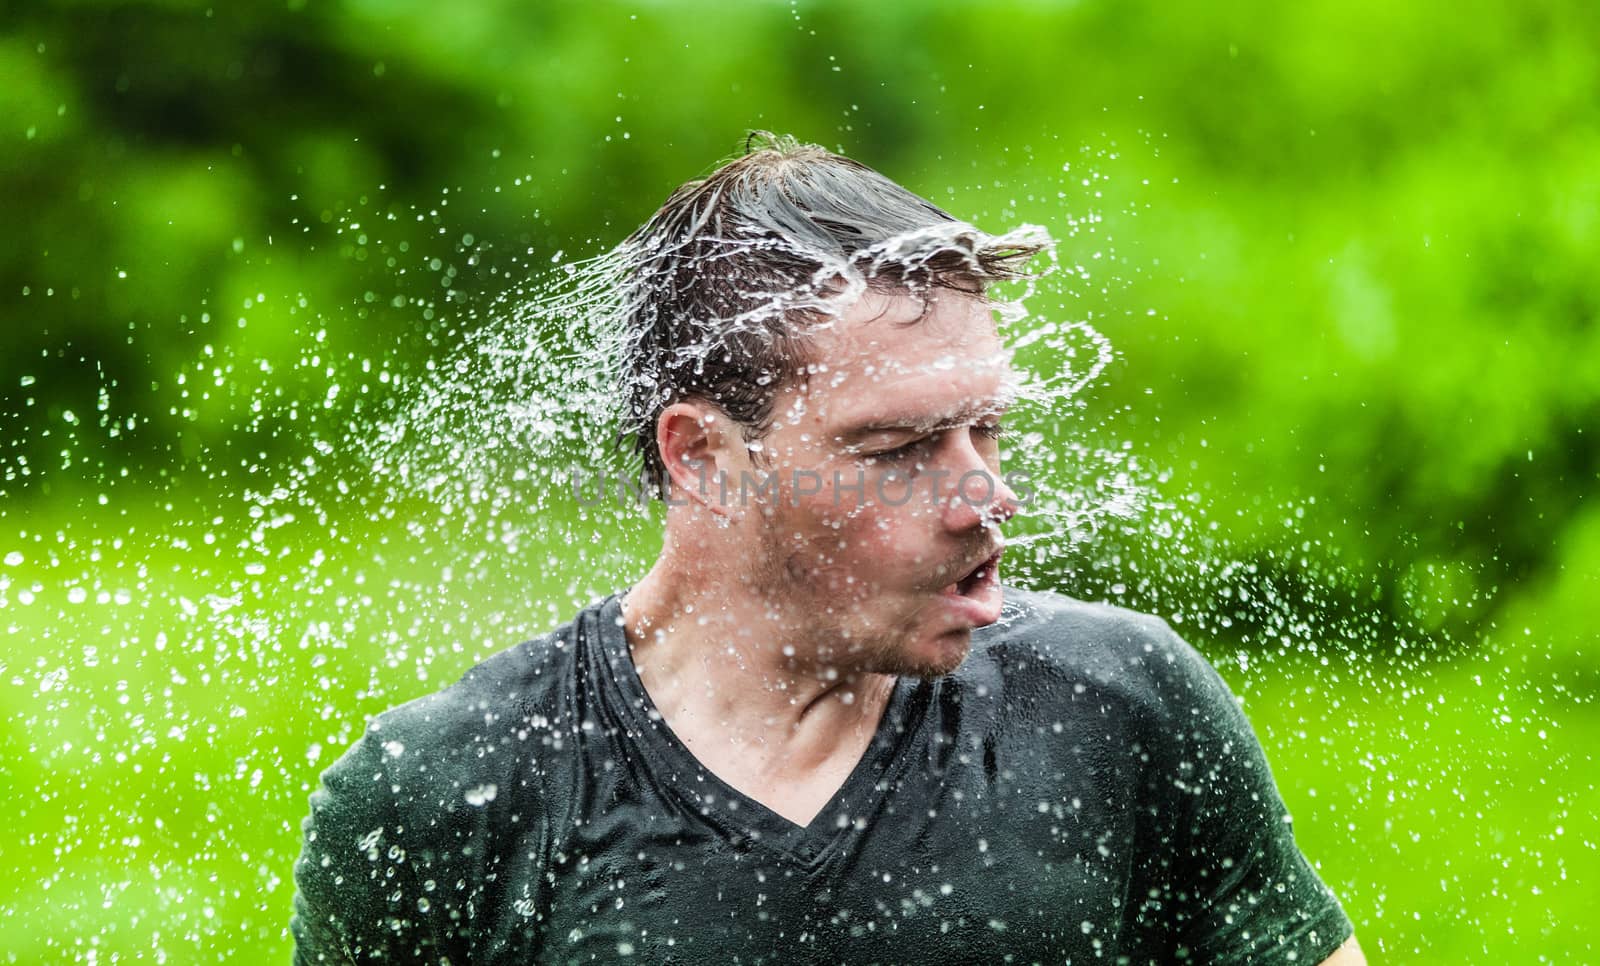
(234,647)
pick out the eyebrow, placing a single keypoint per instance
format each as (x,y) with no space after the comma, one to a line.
(991,409)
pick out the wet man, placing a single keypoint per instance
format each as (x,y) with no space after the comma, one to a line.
(819,730)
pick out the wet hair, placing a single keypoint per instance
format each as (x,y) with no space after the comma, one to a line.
(721,285)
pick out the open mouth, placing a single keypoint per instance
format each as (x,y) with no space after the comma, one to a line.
(979,579)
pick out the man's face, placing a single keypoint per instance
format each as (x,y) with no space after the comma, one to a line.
(884,530)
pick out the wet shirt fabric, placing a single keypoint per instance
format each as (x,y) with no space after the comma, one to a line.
(1083,789)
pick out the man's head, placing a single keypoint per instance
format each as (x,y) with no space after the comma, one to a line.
(798,321)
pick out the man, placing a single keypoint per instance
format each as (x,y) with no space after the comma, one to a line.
(819,730)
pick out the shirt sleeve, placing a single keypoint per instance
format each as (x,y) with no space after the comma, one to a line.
(1240,889)
(353,898)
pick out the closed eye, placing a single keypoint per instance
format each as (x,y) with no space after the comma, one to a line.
(917,447)
(900,454)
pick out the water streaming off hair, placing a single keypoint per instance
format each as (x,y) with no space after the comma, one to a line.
(230,634)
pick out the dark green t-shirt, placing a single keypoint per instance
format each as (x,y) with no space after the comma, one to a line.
(1084,788)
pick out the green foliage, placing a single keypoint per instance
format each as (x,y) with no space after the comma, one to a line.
(1340,251)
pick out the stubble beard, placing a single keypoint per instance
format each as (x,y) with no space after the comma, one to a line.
(790,584)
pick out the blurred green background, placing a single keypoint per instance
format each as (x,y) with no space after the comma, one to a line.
(1339,248)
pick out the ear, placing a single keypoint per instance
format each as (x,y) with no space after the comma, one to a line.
(693,438)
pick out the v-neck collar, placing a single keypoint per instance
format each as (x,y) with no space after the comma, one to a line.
(735,813)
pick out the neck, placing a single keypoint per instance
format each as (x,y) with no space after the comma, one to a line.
(717,658)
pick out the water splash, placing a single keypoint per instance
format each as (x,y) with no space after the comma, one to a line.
(229,636)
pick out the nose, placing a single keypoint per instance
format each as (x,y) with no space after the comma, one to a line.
(977,495)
